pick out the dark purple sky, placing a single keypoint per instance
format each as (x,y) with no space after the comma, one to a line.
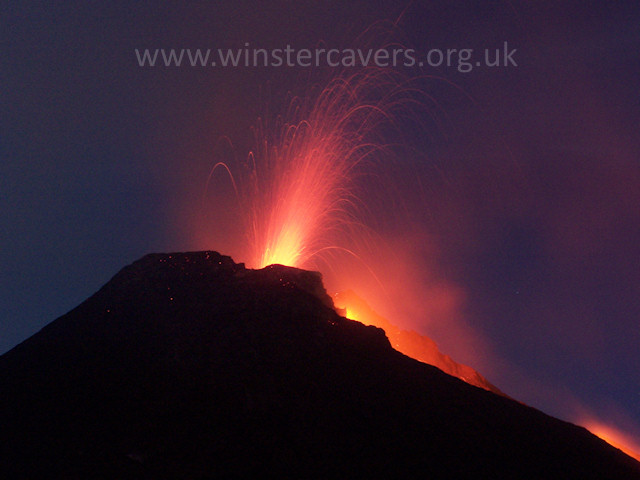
(530,190)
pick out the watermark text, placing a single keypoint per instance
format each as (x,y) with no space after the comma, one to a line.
(464,60)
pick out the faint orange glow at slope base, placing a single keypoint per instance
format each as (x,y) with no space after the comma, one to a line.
(613,437)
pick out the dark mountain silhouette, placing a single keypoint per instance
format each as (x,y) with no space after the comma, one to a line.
(191,366)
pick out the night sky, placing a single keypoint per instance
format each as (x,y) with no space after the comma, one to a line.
(520,207)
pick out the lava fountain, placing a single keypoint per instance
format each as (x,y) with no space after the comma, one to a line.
(299,190)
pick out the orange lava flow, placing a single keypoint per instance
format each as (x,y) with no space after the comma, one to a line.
(410,343)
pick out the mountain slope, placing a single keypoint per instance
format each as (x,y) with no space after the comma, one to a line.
(410,343)
(191,366)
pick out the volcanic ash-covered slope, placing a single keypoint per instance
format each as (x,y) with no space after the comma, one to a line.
(191,366)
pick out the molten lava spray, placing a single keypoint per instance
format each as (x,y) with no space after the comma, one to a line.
(300,198)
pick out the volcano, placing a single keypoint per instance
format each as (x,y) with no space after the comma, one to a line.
(192,366)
